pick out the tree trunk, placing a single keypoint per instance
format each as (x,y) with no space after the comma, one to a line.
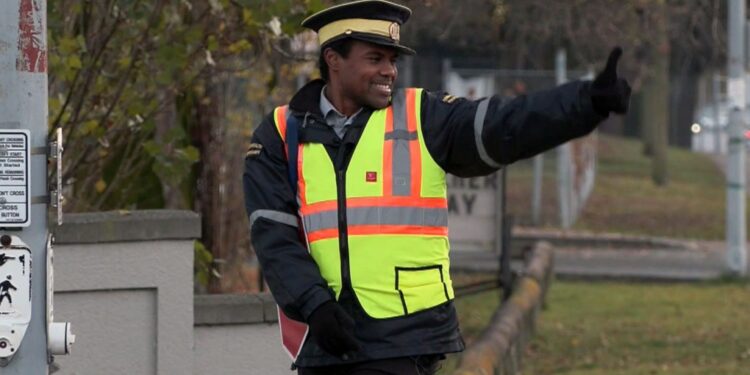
(644,120)
(656,103)
(208,139)
(166,120)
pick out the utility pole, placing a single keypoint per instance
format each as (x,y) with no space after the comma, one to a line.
(25,291)
(716,96)
(736,256)
(564,158)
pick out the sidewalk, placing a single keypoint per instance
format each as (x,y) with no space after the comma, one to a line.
(695,261)
(705,263)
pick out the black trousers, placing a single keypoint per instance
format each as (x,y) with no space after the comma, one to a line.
(421,365)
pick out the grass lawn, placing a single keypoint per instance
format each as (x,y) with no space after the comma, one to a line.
(620,328)
(624,199)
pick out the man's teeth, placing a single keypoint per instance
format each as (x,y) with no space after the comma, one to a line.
(384,87)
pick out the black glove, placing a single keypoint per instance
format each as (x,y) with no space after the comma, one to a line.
(609,93)
(331,327)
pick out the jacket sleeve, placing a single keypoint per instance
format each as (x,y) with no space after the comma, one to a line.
(292,275)
(473,138)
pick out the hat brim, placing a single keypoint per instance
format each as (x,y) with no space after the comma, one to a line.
(385,42)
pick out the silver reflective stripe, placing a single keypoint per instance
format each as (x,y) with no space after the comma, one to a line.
(401,167)
(320,221)
(399,110)
(431,217)
(277,216)
(478,127)
(428,217)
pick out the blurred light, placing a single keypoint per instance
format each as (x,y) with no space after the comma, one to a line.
(695,128)
(747,134)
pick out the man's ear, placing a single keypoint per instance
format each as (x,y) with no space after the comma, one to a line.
(333,59)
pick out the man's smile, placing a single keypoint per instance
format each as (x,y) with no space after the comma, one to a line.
(383,88)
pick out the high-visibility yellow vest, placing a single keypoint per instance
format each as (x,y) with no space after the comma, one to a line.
(396,213)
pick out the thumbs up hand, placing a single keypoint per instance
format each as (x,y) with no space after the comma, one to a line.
(608,92)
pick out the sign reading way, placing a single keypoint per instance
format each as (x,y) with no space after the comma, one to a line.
(472,212)
(14,178)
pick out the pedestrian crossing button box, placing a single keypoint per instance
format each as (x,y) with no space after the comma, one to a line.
(15,294)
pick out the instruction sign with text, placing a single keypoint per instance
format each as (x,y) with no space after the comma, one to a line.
(14,178)
(472,212)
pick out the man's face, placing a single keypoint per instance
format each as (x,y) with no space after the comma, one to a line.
(367,74)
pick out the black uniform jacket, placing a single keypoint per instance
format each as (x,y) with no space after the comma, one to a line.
(512,129)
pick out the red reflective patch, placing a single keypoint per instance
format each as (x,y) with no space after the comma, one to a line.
(371,176)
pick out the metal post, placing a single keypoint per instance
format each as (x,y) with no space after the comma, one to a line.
(504,236)
(736,236)
(564,182)
(716,96)
(499,211)
(747,67)
(23,107)
(536,191)
(536,197)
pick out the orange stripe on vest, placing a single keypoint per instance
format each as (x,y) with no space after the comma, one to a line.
(415,150)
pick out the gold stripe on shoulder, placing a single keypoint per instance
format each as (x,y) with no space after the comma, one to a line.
(254,150)
(449,99)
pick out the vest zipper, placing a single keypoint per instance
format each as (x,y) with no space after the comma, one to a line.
(343,237)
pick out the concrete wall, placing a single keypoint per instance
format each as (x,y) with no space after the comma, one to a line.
(238,334)
(125,282)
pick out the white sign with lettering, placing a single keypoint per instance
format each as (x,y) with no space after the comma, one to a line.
(472,212)
(14,178)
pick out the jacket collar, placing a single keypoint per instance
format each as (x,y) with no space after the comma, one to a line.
(307,99)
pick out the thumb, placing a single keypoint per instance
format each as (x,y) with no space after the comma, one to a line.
(610,71)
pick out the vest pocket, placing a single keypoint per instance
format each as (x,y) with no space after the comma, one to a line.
(421,287)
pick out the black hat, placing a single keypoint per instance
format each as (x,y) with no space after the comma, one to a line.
(374,21)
